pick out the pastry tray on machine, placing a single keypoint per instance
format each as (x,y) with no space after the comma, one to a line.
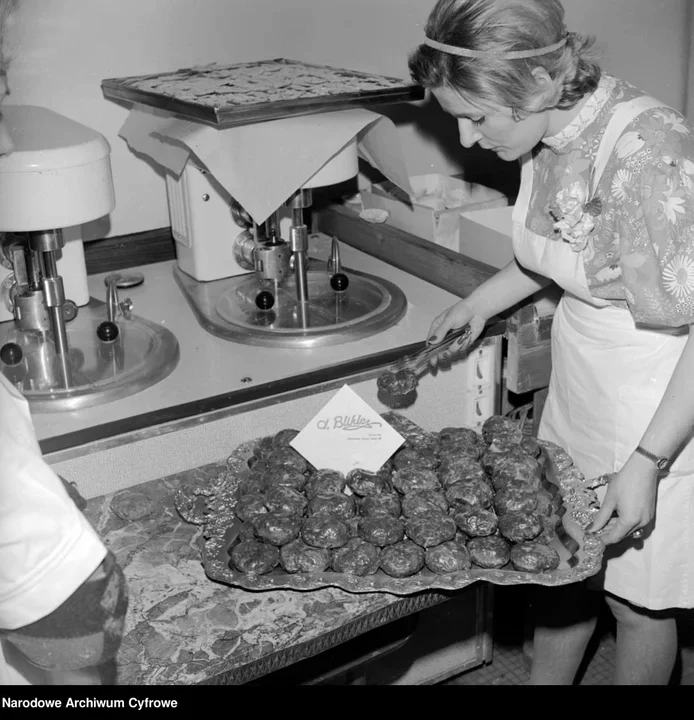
(580,554)
(230,95)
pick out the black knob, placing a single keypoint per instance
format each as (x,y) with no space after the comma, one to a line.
(11,353)
(265,300)
(107,331)
(339,282)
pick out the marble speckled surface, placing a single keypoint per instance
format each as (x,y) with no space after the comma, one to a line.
(183,628)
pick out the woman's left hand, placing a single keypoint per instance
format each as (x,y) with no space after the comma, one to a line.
(631,495)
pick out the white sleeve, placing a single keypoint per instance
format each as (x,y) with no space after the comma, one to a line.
(47,547)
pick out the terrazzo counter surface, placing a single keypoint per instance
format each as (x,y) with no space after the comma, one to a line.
(183,628)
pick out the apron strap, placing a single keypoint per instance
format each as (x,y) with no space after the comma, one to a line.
(520,208)
(624,114)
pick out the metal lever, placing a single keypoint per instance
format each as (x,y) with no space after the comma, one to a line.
(339,282)
(114,306)
(334,263)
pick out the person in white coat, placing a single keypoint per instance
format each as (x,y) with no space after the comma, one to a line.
(606,211)
(63,597)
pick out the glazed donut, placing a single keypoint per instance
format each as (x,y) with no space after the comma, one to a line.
(449,557)
(255,557)
(402,559)
(357,557)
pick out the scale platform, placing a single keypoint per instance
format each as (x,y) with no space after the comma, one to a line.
(94,372)
(227,308)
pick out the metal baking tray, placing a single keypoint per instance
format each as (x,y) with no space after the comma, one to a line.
(230,95)
(581,555)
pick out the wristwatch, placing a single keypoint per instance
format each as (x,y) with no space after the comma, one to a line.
(660,462)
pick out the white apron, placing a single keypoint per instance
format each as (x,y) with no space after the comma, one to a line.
(606,383)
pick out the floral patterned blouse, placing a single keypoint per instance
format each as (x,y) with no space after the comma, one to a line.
(636,229)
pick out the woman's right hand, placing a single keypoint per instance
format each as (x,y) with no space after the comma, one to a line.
(462,313)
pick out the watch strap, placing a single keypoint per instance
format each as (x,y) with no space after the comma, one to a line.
(660,462)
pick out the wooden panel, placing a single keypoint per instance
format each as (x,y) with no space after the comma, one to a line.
(439,266)
(126,251)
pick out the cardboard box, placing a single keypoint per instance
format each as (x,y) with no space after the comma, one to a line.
(486,236)
(433,211)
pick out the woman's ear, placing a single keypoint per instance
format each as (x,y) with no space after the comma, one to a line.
(542,78)
(546,87)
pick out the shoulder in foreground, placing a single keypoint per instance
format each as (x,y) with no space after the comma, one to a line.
(661,132)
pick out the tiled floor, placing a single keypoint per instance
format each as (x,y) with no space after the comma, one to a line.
(509,666)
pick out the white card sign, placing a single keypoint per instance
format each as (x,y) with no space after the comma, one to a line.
(347,434)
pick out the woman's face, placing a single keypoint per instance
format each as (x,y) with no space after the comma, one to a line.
(497,131)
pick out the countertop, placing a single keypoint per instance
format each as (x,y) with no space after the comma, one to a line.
(214,368)
(183,628)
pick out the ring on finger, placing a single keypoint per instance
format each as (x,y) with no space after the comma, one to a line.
(637,534)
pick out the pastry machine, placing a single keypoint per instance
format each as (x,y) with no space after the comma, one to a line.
(272,292)
(256,282)
(62,349)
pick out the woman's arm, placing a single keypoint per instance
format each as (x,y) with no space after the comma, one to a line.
(508,287)
(659,286)
(632,491)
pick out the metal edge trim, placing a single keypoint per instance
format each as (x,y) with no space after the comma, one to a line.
(167,420)
(310,648)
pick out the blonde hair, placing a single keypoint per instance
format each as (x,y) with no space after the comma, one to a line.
(503,26)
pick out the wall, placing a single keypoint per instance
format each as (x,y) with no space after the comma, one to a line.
(64,48)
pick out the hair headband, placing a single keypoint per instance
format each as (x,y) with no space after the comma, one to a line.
(501,55)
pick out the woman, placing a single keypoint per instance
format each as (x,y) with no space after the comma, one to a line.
(63,597)
(605,210)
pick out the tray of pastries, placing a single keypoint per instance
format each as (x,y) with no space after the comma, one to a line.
(448,509)
(242,93)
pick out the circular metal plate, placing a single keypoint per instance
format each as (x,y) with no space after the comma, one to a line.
(369,305)
(93,372)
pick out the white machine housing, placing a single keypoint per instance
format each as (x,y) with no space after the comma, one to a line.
(201,221)
(57,177)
